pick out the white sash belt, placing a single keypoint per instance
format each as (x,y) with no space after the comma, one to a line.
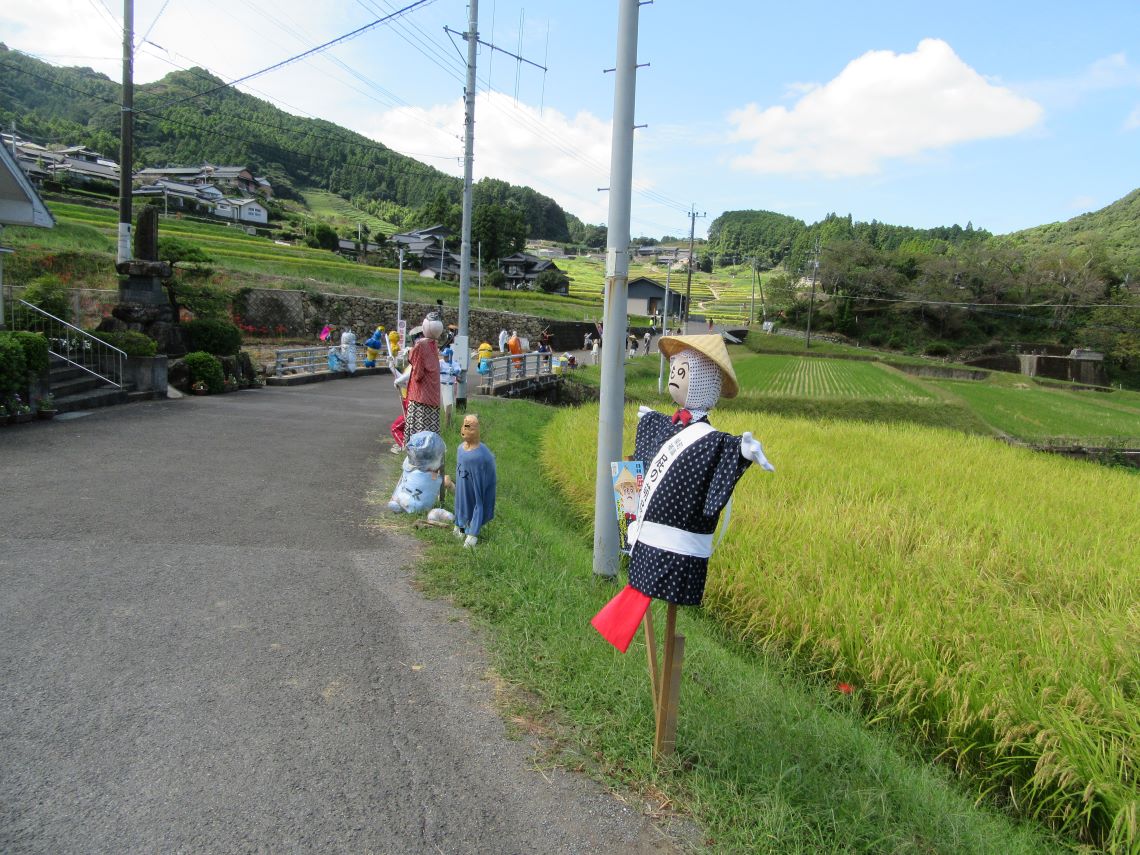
(670,451)
(674,539)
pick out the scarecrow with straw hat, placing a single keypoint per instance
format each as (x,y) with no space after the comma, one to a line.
(691,470)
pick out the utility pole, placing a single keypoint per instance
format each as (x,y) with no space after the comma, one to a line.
(471,36)
(612,403)
(689,282)
(400,290)
(126,128)
(752,307)
(811,305)
(763,302)
(468,164)
(664,326)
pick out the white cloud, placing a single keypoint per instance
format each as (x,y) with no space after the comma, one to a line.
(1133,120)
(564,157)
(882,106)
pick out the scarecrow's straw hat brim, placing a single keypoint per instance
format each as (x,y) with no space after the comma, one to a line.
(711,346)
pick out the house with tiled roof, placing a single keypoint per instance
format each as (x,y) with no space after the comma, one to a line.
(522,268)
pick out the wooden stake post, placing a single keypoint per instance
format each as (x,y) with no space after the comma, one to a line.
(666,685)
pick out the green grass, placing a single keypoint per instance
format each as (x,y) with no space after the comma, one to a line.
(888,397)
(971,590)
(769,760)
(331,207)
(1036,414)
(824,378)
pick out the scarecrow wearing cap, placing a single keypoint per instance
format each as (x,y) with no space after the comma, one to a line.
(691,470)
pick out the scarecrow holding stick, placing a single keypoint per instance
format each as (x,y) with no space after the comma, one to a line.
(691,470)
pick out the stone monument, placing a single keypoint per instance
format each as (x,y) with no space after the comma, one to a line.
(143,302)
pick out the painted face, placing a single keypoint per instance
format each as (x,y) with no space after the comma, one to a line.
(469,430)
(679,379)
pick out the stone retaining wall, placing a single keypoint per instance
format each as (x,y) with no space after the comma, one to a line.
(302,313)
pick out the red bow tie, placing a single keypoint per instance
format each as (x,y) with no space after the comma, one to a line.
(682,416)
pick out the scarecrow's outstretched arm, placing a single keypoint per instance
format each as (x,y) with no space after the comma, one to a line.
(752,450)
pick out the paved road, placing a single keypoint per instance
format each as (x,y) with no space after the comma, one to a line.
(204,648)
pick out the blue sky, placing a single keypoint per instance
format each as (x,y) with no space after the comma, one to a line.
(1005,115)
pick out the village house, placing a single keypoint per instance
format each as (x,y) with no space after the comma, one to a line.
(521,269)
(647,297)
(430,246)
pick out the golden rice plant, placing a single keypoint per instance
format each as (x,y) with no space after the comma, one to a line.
(983,596)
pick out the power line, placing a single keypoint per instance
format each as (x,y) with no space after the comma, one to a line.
(292,59)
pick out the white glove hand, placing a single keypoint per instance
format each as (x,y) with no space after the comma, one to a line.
(402,379)
(643,410)
(752,450)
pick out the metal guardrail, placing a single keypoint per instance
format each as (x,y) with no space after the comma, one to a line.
(505,370)
(310,360)
(71,344)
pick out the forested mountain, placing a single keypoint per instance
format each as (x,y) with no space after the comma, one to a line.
(1112,232)
(191,117)
(777,239)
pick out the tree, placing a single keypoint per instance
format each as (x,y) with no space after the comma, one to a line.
(500,229)
(175,250)
(552,281)
(323,237)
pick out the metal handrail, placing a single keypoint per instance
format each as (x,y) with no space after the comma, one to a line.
(75,346)
(507,369)
(309,360)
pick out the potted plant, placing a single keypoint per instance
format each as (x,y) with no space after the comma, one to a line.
(46,408)
(22,411)
(199,387)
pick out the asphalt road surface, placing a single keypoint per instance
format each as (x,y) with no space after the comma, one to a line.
(205,648)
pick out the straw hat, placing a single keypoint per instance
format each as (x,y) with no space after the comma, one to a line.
(711,346)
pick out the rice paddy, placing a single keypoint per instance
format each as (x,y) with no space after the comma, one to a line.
(981,596)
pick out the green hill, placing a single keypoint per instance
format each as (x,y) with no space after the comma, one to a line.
(192,117)
(1113,231)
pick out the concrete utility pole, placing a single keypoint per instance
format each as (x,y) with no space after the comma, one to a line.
(611,407)
(468,164)
(811,305)
(126,129)
(400,290)
(664,326)
(689,282)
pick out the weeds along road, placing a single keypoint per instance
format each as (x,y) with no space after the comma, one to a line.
(204,648)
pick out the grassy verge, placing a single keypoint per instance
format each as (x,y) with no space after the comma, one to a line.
(768,761)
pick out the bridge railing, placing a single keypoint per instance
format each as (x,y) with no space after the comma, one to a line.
(310,360)
(506,370)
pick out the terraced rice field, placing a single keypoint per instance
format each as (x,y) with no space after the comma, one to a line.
(792,376)
(1043,414)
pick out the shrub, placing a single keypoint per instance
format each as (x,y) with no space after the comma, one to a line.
(13,366)
(205,301)
(220,338)
(50,294)
(35,348)
(495,279)
(550,281)
(130,342)
(938,348)
(207,368)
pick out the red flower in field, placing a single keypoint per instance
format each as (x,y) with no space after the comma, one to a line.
(845,688)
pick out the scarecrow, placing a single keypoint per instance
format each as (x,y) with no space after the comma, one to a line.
(422,475)
(691,470)
(422,378)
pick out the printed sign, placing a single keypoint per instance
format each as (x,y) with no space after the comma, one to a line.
(628,476)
